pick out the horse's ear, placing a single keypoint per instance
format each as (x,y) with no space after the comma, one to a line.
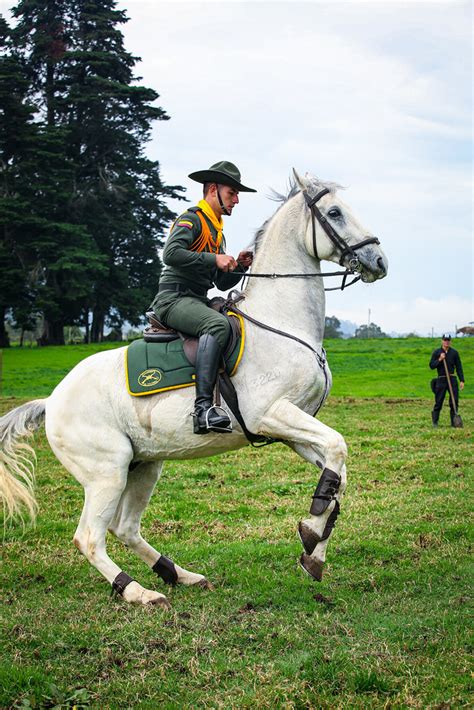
(301,181)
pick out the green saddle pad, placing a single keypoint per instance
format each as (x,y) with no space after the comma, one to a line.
(157,367)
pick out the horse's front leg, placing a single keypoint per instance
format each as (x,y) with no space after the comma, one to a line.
(324,447)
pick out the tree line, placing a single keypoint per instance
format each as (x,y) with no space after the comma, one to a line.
(332,329)
(82,209)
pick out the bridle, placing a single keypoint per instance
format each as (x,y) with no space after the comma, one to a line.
(339,243)
(345,249)
(235,297)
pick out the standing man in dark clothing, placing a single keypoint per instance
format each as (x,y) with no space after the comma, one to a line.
(195,261)
(453,361)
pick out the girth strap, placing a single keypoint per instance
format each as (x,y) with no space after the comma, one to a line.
(227,390)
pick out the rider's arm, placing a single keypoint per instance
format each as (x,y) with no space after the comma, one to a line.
(228,279)
(184,232)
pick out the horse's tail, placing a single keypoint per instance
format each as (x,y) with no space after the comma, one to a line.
(17,460)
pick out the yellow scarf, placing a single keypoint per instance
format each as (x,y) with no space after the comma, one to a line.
(205,239)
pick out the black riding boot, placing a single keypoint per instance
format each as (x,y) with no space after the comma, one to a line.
(207,417)
(434,418)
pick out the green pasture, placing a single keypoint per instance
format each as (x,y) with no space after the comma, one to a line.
(388,627)
(361,368)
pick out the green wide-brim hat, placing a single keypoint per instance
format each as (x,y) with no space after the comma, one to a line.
(223,173)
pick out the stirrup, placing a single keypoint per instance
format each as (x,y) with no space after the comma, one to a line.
(210,427)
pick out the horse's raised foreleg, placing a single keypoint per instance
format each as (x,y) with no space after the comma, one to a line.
(323,447)
(126,526)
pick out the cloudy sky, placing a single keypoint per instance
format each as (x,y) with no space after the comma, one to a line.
(374,95)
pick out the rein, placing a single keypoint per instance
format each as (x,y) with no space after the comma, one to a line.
(336,239)
(343,285)
(234,298)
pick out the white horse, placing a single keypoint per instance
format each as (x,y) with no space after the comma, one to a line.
(115,444)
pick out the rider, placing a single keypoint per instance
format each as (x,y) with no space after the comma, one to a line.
(195,261)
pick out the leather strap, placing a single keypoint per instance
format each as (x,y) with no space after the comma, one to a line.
(345,249)
(121,581)
(164,568)
(227,390)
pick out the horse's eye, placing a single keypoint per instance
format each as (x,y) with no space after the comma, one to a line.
(335,212)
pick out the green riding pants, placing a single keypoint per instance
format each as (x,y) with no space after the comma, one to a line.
(192,315)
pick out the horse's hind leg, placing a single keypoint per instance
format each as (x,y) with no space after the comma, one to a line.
(101,500)
(125,525)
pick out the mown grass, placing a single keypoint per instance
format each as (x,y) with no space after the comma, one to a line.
(388,367)
(387,627)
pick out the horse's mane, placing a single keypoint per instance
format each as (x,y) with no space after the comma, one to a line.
(293,189)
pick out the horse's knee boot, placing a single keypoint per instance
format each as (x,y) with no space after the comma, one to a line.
(328,486)
(325,492)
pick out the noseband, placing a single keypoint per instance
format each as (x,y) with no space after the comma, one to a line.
(339,243)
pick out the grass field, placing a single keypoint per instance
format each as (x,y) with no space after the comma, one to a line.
(387,628)
(361,368)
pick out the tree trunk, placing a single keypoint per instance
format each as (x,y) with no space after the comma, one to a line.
(97,330)
(53,333)
(4,339)
(87,333)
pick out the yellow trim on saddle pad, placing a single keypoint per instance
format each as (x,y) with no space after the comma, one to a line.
(154,374)
(242,341)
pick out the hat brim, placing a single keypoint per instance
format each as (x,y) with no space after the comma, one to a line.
(203,176)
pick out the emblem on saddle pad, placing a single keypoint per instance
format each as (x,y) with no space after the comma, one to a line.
(149,378)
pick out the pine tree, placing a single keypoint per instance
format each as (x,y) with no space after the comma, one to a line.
(119,192)
(57,253)
(96,209)
(17,136)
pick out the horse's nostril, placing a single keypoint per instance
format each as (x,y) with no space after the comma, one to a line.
(381,264)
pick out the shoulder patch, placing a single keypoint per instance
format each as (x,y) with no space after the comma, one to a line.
(184,223)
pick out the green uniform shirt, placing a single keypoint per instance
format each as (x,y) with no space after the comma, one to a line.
(196,270)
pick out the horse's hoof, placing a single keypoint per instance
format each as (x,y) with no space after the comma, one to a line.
(312,567)
(205,584)
(309,539)
(161,602)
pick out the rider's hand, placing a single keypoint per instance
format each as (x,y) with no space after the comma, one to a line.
(442,357)
(225,262)
(245,259)
(461,385)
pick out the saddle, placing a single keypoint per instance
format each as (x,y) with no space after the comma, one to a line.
(158,332)
(149,376)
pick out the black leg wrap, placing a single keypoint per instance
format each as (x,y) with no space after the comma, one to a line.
(331,521)
(326,489)
(121,581)
(165,569)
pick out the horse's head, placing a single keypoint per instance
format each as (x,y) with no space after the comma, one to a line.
(334,234)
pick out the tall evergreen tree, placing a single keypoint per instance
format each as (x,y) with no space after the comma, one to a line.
(17,137)
(57,253)
(120,195)
(96,210)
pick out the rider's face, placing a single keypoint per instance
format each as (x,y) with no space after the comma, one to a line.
(229,196)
